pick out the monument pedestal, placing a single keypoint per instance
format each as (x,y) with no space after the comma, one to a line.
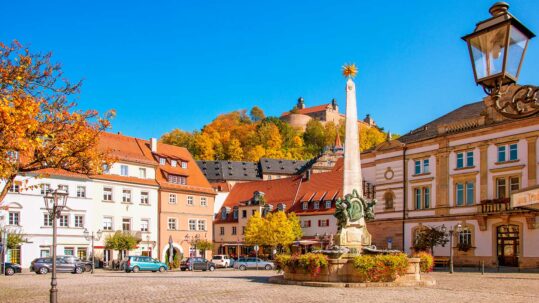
(354,238)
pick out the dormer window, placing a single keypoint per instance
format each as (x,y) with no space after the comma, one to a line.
(316,205)
(305,205)
(328,204)
(162,161)
(173,163)
(176,179)
(235,214)
(281,206)
(223,213)
(184,164)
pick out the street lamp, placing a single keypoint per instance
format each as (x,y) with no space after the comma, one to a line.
(451,231)
(55,201)
(497,48)
(192,240)
(96,237)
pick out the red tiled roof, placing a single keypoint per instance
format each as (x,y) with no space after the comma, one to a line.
(124,148)
(59,172)
(125,179)
(308,110)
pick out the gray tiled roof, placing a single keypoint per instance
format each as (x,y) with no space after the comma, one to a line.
(229,170)
(430,130)
(280,166)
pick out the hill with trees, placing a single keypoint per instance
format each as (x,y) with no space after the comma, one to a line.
(239,136)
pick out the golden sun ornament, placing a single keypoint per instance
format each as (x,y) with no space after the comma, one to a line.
(349,70)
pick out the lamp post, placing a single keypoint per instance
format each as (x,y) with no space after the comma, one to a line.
(55,201)
(451,231)
(497,48)
(193,239)
(96,237)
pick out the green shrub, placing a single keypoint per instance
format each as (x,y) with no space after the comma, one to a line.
(308,263)
(427,261)
(381,268)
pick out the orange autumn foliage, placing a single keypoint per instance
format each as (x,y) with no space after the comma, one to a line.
(39,127)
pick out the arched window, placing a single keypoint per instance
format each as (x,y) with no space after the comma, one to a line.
(389,198)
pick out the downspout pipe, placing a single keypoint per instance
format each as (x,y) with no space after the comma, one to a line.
(405,197)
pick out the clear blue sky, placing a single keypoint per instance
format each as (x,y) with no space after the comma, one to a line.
(171,64)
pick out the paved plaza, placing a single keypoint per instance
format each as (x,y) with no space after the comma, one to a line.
(252,286)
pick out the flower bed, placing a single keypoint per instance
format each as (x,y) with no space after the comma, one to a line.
(307,263)
(427,261)
(380,268)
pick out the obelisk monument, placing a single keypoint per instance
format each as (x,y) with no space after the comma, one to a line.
(352,162)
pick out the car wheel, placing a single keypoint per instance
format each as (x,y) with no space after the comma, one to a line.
(10,271)
(162,269)
(43,271)
(267,267)
(79,270)
(242,267)
(136,269)
(212,268)
(87,267)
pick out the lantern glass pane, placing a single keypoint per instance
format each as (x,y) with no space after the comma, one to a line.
(488,51)
(517,45)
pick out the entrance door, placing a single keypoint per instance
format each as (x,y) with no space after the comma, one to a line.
(508,245)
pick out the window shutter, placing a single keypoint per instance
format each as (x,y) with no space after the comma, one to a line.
(327,222)
(319,222)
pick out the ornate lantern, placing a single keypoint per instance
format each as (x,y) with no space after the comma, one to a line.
(497,48)
(55,201)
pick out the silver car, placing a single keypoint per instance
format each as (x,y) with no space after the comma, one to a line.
(253,263)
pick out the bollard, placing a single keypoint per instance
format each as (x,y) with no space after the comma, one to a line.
(482,267)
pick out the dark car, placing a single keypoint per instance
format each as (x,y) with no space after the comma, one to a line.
(197,264)
(44,265)
(12,268)
(86,265)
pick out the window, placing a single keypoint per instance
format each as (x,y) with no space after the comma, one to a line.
(14,218)
(190,200)
(144,198)
(107,193)
(184,164)
(69,251)
(513,152)
(174,163)
(305,206)
(64,188)
(201,224)
(106,169)
(223,214)
(44,253)
(417,170)
(464,193)
(81,191)
(316,205)
(63,221)
(469,159)
(222,230)
(47,220)
(328,204)
(244,213)
(124,170)
(176,179)
(253,212)
(79,221)
(323,223)
(465,237)
(500,188)
(469,193)
(107,223)
(389,198)
(192,224)
(235,213)
(172,198)
(281,206)
(142,173)
(234,230)
(172,223)
(203,201)
(426,166)
(81,253)
(306,223)
(514,184)
(162,161)
(45,188)
(126,196)
(126,224)
(243,230)
(422,197)
(144,225)
(460,160)
(15,188)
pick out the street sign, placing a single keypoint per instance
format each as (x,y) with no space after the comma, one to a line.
(527,198)
(256,247)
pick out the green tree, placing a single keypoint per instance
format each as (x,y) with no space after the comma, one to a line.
(204,245)
(121,241)
(429,237)
(314,135)
(257,114)
(180,138)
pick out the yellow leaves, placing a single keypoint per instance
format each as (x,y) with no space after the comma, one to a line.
(275,229)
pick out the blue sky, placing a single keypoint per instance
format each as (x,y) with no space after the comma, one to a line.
(177,64)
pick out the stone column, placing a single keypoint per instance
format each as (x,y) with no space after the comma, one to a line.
(483,172)
(532,160)
(352,161)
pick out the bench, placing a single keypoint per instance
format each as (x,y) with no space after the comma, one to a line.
(441,261)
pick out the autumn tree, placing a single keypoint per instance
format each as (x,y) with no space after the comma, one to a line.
(39,125)
(314,135)
(257,114)
(276,229)
(121,241)
(180,138)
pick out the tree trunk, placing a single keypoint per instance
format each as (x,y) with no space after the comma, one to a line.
(9,183)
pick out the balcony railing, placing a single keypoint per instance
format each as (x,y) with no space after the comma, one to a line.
(496,206)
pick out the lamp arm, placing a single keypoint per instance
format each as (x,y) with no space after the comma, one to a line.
(523,103)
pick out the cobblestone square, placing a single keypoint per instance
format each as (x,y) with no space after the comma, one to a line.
(252,286)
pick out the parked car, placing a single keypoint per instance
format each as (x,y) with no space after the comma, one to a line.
(197,264)
(87,265)
(12,268)
(222,261)
(138,263)
(253,263)
(44,265)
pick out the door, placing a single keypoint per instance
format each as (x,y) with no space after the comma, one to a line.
(508,245)
(63,266)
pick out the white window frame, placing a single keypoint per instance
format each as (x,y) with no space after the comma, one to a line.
(162,161)
(173,163)
(122,168)
(127,195)
(172,199)
(106,193)
(105,223)
(76,224)
(145,198)
(190,200)
(144,222)
(201,225)
(47,220)
(142,172)
(305,205)
(61,221)
(45,187)
(14,218)
(174,222)
(81,191)
(192,224)
(203,201)
(328,204)
(184,164)
(130,224)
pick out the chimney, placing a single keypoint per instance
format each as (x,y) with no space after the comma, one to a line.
(153,144)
